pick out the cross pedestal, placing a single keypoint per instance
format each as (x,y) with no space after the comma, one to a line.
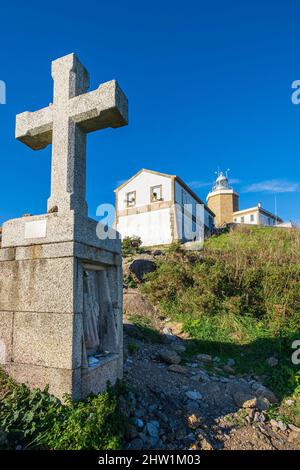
(46,303)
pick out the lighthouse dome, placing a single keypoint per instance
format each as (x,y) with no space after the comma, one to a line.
(221,182)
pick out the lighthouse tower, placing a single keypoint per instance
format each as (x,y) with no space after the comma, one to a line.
(223,200)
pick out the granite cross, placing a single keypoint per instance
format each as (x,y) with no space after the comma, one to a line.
(65,123)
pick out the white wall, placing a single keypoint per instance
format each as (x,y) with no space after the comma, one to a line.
(259,218)
(153,227)
(247,218)
(142,184)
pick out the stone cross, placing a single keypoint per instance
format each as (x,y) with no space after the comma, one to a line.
(65,123)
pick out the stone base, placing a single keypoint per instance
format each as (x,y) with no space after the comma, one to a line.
(41,313)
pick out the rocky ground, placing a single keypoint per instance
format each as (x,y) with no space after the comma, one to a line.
(198,405)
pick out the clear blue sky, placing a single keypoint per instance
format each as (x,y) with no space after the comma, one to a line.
(208,83)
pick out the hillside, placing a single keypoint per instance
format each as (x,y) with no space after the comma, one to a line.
(236,301)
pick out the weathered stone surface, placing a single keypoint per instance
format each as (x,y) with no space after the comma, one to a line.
(6,336)
(60,381)
(46,259)
(94,380)
(36,285)
(65,124)
(48,339)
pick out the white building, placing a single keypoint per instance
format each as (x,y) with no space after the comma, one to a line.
(256,216)
(160,209)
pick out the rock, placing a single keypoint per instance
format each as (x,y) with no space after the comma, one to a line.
(289,402)
(152,408)
(180,348)
(139,423)
(266,393)
(293,436)
(282,426)
(205,445)
(140,267)
(193,395)
(139,413)
(228,369)
(168,336)
(135,303)
(193,421)
(177,368)
(152,428)
(169,357)
(192,407)
(263,404)
(205,358)
(274,424)
(201,376)
(241,397)
(272,361)
(294,428)
(252,403)
(136,444)
(132,432)
(231,362)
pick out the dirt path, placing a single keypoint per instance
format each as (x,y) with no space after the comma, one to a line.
(185,407)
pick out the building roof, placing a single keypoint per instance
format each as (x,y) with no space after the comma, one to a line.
(176,178)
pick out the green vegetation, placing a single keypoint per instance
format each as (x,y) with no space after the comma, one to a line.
(131,246)
(37,420)
(239,297)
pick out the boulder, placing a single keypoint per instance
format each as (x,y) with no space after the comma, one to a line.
(169,357)
(193,395)
(140,267)
(177,368)
(135,303)
(205,358)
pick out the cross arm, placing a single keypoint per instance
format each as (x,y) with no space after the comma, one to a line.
(105,107)
(35,129)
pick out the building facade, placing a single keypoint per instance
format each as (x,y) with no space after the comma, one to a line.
(160,209)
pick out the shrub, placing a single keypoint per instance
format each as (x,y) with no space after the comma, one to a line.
(131,245)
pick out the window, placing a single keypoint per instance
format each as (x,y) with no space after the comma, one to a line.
(242,220)
(235,219)
(252,217)
(156,193)
(131,199)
